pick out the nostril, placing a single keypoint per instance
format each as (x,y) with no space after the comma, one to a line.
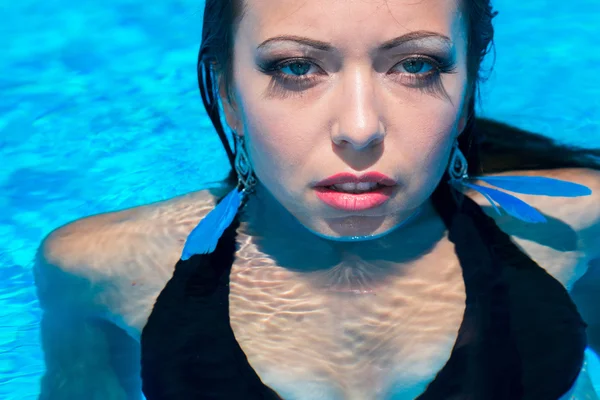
(340,142)
(358,141)
(377,140)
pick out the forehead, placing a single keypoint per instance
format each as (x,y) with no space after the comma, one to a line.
(351,24)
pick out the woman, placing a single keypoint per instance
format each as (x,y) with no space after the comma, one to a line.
(353,267)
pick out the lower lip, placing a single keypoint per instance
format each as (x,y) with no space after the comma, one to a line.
(354,201)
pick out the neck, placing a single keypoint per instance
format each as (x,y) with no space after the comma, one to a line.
(279,235)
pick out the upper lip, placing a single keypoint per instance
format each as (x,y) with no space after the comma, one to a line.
(346,177)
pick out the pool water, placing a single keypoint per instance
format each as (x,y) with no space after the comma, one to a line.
(99,110)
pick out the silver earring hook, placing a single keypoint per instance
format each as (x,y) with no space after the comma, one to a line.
(457,169)
(246,178)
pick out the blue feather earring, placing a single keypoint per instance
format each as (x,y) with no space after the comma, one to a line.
(533,185)
(204,237)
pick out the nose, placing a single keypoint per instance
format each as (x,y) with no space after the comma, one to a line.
(358,122)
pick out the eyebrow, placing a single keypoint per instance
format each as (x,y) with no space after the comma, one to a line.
(390,44)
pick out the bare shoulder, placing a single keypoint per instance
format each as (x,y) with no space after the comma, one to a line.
(571,237)
(111,238)
(108,259)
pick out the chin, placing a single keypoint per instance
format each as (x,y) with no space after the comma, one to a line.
(354,228)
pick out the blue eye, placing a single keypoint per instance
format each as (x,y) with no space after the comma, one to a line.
(416,66)
(297,68)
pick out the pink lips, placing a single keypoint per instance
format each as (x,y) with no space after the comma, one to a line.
(355,201)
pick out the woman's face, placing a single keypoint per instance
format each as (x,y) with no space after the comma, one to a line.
(349,86)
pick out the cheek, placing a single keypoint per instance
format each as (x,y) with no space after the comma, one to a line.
(436,135)
(430,144)
(277,147)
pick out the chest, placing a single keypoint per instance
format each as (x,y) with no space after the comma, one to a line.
(387,342)
(380,345)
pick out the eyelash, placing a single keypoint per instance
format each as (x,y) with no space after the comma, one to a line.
(429,82)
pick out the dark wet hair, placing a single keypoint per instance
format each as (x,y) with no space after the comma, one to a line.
(488,145)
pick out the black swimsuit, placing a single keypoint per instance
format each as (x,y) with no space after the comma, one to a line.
(521,337)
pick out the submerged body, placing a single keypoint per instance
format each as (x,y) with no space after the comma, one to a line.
(314,323)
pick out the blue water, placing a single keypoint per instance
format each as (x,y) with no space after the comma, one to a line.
(99,110)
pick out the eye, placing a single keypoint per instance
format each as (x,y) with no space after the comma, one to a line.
(416,66)
(292,75)
(296,68)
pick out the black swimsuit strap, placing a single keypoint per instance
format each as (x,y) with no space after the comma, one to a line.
(522,337)
(196,355)
(484,363)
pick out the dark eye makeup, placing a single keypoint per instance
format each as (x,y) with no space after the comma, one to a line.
(297,74)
